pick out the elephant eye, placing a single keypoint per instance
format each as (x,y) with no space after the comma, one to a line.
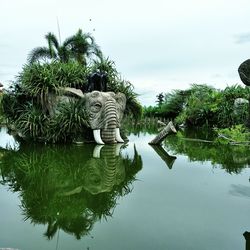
(98,105)
(95,107)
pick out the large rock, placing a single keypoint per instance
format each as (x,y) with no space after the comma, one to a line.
(244,72)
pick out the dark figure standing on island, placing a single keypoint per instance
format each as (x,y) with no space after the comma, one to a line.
(97,81)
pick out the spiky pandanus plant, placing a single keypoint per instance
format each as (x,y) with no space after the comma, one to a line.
(42,81)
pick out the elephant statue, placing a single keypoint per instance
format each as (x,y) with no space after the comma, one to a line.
(105,111)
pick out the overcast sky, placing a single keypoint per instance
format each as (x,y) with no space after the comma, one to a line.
(158,45)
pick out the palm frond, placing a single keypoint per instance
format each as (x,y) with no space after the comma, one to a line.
(52,40)
(38,53)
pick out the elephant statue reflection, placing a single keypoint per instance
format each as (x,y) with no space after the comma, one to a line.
(105,170)
(105,112)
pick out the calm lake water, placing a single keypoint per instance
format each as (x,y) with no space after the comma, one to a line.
(184,195)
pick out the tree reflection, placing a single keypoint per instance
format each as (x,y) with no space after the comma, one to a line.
(231,158)
(66,187)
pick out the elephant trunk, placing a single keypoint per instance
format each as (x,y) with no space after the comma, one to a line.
(108,133)
(109,153)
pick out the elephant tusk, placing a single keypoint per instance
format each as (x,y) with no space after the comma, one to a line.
(97,136)
(118,136)
(118,149)
(97,151)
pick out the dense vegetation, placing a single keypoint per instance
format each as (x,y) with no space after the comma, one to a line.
(28,106)
(203,105)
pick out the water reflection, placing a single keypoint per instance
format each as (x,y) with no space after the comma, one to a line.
(168,159)
(240,190)
(69,187)
(231,158)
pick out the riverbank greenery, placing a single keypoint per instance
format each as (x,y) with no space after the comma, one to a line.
(196,146)
(203,105)
(237,134)
(29,104)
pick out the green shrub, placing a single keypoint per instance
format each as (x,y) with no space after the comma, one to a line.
(40,80)
(227,115)
(174,104)
(204,105)
(69,123)
(237,133)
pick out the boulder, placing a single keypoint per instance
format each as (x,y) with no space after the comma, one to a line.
(244,72)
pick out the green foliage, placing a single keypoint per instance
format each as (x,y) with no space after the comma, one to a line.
(31,122)
(78,47)
(150,111)
(13,103)
(237,133)
(227,114)
(174,104)
(41,79)
(82,46)
(133,107)
(69,123)
(231,158)
(160,99)
(31,98)
(202,105)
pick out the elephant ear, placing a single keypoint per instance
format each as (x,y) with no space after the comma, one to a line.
(120,105)
(121,101)
(74,91)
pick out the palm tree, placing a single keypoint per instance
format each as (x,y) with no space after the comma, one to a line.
(53,51)
(78,47)
(83,46)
